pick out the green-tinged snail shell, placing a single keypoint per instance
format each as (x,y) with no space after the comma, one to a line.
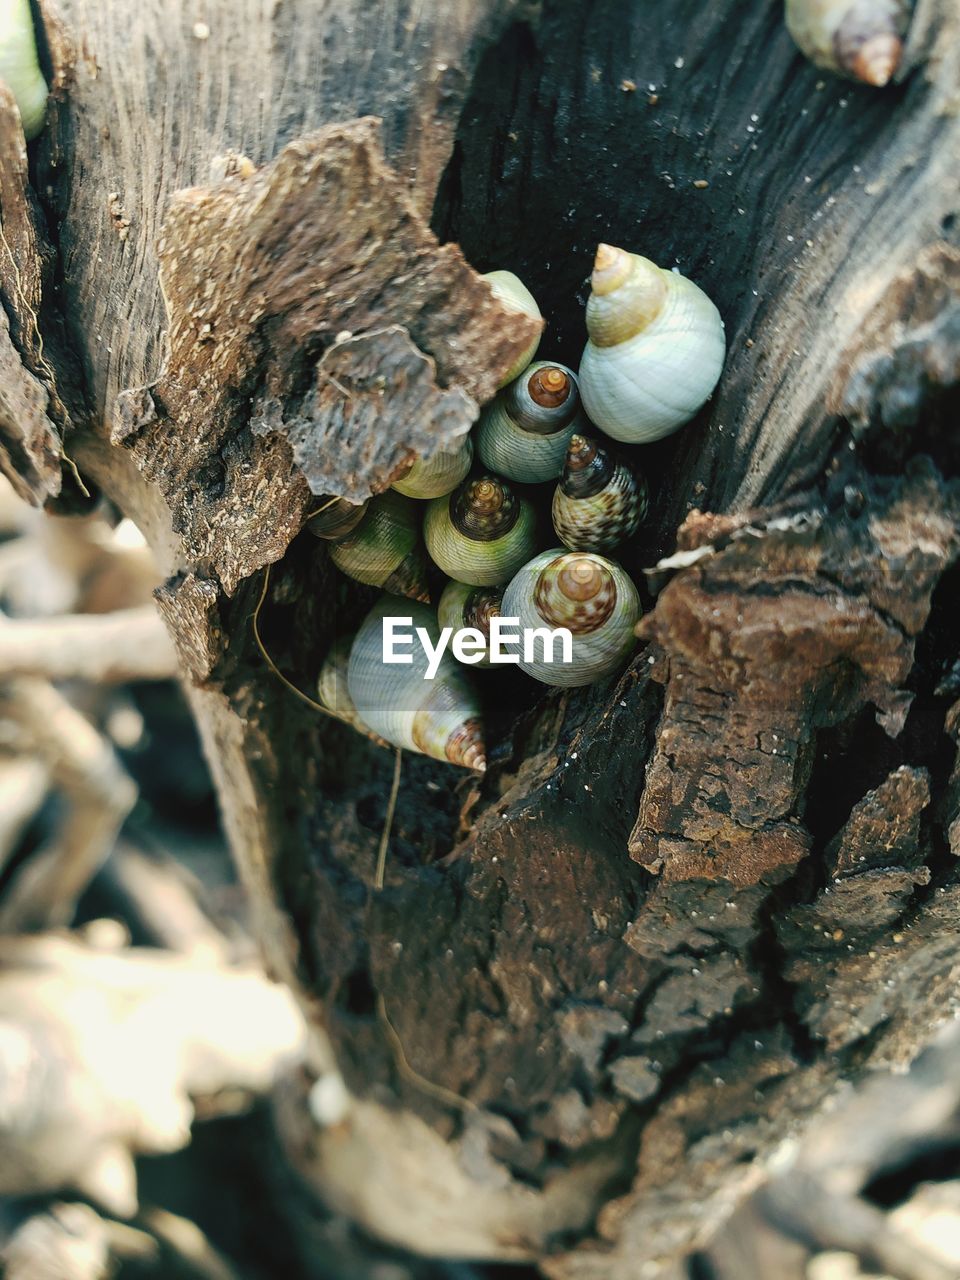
(482,533)
(524,433)
(592,597)
(385,549)
(464,606)
(439,717)
(860,39)
(337,520)
(515,296)
(599,502)
(19,66)
(438,475)
(332,687)
(656,348)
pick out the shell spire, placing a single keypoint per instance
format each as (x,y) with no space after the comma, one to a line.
(464,606)
(599,502)
(523,434)
(482,533)
(861,39)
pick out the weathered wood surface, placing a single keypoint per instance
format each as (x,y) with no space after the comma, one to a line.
(679,909)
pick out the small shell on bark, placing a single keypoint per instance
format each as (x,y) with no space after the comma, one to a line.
(438,475)
(589,595)
(441,718)
(515,296)
(860,39)
(385,549)
(482,533)
(464,606)
(523,434)
(599,502)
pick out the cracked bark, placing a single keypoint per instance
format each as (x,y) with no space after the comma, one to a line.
(680,908)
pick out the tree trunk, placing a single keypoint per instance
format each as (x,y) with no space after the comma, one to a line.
(602,985)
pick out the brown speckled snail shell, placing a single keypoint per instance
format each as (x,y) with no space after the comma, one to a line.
(336,520)
(439,717)
(515,296)
(589,595)
(482,533)
(19,65)
(523,434)
(464,606)
(860,39)
(385,549)
(437,475)
(599,502)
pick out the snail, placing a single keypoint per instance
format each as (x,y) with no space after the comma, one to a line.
(524,433)
(656,348)
(332,687)
(464,606)
(385,550)
(860,39)
(437,475)
(599,502)
(481,533)
(589,595)
(19,65)
(515,296)
(336,520)
(439,717)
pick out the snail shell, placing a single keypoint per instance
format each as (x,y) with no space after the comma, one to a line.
(332,687)
(440,717)
(464,606)
(437,475)
(515,296)
(589,595)
(524,433)
(385,549)
(599,502)
(656,348)
(482,533)
(19,66)
(338,519)
(861,39)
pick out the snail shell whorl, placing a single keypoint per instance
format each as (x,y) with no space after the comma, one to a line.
(19,65)
(332,687)
(464,606)
(437,475)
(337,520)
(440,717)
(515,296)
(655,352)
(481,533)
(589,595)
(599,502)
(385,550)
(523,434)
(862,39)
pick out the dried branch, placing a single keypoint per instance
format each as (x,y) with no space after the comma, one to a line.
(110,648)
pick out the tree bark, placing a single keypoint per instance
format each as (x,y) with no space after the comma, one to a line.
(601,986)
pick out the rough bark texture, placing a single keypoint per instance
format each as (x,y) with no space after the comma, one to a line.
(601,986)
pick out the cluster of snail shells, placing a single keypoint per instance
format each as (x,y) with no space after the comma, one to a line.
(655,350)
(19,65)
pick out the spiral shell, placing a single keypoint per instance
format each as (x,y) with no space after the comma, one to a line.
(655,352)
(440,717)
(464,606)
(524,433)
(332,687)
(592,597)
(860,39)
(515,296)
(19,66)
(438,475)
(385,549)
(336,520)
(599,502)
(482,533)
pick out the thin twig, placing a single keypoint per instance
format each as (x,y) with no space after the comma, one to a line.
(411,1075)
(388,823)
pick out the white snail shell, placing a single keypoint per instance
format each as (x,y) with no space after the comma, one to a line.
(655,352)
(332,687)
(599,502)
(482,532)
(385,549)
(336,520)
(586,593)
(464,606)
(861,39)
(437,475)
(19,66)
(515,296)
(524,433)
(440,717)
